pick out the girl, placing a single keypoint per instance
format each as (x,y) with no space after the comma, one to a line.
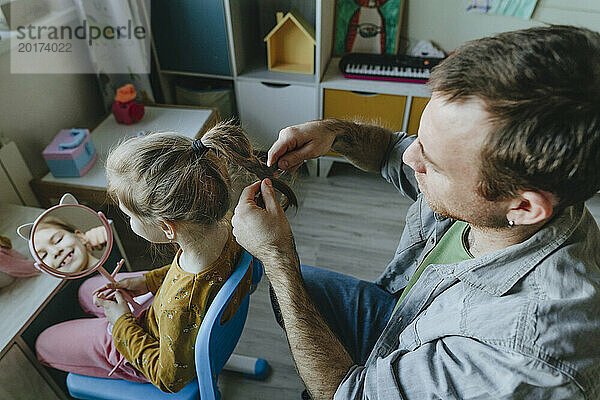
(178,190)
(65,248)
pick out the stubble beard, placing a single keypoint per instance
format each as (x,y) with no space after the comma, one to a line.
(483,215)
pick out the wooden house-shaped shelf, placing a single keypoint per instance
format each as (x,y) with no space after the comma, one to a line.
(291,45)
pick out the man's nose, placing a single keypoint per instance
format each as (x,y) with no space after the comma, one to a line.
(412,159)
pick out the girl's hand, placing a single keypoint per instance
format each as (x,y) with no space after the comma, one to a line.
(96,238)
(136,286)
(112,309)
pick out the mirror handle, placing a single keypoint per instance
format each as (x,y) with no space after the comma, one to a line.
(124,293)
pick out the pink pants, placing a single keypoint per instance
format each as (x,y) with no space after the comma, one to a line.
(85,346)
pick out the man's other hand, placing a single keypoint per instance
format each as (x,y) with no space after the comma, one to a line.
(264,232)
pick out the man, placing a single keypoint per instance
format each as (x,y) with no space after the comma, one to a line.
(494,289)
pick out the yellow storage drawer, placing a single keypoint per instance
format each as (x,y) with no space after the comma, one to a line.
(414,116)
(382,109)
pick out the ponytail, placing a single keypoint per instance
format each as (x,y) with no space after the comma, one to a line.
(167,175)
(230,142)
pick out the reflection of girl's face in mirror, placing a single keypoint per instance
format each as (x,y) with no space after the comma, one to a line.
(61,248)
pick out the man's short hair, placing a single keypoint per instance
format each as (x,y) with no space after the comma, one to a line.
(541,87)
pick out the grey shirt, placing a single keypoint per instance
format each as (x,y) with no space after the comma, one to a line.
(518,323)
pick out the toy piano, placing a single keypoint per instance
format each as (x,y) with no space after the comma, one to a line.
(385,67)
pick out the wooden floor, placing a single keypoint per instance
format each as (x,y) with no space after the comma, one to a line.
(349,222)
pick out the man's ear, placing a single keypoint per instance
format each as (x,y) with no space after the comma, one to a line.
(531,207)
(168,228)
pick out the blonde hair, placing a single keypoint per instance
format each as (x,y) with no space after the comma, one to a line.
(161,175)
(57,223)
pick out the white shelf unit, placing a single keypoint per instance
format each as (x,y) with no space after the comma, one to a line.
(334,80)
(251,20)
(268,101)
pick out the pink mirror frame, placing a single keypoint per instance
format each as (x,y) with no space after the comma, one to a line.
(39,264)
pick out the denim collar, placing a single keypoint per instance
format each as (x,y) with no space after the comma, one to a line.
(497,272)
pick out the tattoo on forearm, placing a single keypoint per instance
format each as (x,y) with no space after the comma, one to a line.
(365,145)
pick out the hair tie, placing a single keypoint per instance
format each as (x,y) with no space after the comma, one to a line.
(199,147)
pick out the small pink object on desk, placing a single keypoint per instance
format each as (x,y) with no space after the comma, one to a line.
(125,109)
(15,264)
(71,153)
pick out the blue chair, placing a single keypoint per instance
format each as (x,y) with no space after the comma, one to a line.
(214,346)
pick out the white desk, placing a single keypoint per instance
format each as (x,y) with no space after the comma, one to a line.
(21,376)
(192,122)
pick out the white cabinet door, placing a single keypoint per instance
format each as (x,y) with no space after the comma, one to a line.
(8,194)
(19,380)
(15,167)
(266,108)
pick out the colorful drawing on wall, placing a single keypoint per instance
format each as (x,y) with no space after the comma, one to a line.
(514,8)
(367,26)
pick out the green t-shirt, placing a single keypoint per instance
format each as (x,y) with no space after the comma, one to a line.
(450,249)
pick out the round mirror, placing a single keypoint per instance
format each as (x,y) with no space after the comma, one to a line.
(70,241)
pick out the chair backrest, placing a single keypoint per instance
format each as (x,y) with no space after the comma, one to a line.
(215,342)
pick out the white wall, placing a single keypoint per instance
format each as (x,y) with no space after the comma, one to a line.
(33,108)
(446,23)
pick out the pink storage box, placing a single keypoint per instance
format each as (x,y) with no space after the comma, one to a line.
(71,153)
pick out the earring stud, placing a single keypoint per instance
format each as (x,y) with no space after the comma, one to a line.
(511,224)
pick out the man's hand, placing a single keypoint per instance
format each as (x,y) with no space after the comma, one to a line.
(321,359)
(298,143)
(364,145)
(112,309)
(265,233)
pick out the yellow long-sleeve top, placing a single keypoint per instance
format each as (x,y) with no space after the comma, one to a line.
(161,343)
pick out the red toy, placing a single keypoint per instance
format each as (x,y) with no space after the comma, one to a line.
(125,109)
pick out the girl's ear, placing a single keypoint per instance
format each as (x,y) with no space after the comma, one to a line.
(168,228)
